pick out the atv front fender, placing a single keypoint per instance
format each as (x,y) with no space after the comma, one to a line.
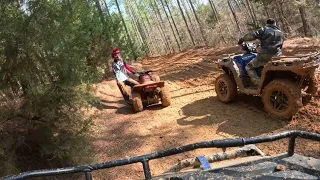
(140,87)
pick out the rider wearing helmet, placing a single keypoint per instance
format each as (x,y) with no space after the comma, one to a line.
(120,69)
(271,38)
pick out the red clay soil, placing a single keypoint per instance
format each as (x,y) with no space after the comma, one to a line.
(195,114)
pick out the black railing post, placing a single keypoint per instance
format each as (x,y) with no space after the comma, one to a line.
(88,175)
(292,142)
(146,169)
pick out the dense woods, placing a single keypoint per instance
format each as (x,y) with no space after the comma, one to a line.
(52,51)
(166,26)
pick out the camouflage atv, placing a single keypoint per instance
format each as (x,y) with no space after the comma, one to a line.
(287,82)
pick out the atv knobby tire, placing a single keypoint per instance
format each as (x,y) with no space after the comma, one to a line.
(282,98)
(226,88)
(137,105)
(165,96)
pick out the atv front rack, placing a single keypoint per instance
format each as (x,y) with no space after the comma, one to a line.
(226,143)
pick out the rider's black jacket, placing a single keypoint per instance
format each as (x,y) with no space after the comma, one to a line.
(270,36)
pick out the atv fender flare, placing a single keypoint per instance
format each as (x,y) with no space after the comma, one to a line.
(230,66)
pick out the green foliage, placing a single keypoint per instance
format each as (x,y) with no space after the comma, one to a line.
(49,55)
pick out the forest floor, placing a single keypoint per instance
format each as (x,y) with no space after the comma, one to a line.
(195,114)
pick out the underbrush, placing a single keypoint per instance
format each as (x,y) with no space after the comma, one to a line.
(49,131)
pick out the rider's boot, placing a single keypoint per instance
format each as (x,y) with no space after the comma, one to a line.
(124,92)
(254,77)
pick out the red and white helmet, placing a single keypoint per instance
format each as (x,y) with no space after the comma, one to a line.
(115,51)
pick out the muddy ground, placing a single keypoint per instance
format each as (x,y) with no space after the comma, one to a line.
(195,114)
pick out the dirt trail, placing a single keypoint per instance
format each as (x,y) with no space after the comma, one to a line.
(195,115)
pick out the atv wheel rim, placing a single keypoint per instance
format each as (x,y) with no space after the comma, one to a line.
(279,101)
(223,88)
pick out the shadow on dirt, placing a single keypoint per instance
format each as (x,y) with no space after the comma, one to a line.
(155,107)
(245,117)
(107,101)
(115,143)
(118,141)
(182,95)
(103,104)
(110,95)
(118,130)
(127,110)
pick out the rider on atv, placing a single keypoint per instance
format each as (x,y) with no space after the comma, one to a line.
(120,68)
(271,38)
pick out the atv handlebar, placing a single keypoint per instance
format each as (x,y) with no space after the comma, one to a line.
(144,72)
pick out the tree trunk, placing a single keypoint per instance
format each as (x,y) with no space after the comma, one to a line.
(141,30)
(147,31)
(234,16)
(174,23)
(157,26)
(107,9)
(174,34)
(248,15)
(214,10)
(237,4)
(282,18)
(157,44)
(215,14)
(199,23)
(160,28)
(185,21)
(254,14)
(103,21)
(266,8)
(162,25)
(251,13)
(134,22)
(305,24)
(126,29)
(285,20)
(193,30)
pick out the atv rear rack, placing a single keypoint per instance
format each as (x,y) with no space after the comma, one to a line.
(144,159)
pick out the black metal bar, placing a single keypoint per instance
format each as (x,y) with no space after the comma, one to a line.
(88,175)
(208,144)
(292,142)
(146,169)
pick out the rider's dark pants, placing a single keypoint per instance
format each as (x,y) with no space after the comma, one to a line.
(129,82)
(260,60)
